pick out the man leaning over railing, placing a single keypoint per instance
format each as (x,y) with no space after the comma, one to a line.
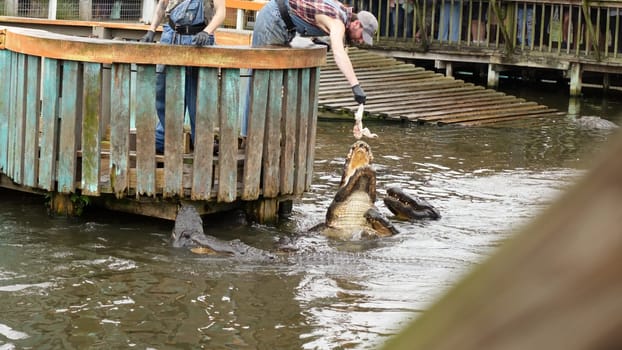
(190,22)
(279,20)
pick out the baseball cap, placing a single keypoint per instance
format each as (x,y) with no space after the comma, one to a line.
(370,26)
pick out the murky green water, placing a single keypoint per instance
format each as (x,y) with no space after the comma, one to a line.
(112,281)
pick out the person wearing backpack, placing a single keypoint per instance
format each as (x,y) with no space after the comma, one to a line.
(279,20)
(188,22)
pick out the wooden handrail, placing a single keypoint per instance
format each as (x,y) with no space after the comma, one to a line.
(73,23)
(245,4)
(59,46)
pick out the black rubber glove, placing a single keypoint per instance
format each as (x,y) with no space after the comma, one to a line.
(321,41)
(148,37)
(203,38)
(359,94)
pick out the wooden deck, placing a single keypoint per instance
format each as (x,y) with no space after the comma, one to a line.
(73,121)
(401,91)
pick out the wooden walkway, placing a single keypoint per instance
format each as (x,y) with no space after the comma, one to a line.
(400,91)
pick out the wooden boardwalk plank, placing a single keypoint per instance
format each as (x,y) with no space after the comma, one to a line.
(401,91)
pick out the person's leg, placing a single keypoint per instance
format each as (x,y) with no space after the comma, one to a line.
(269,27)
(190,101)
(529,23)
(455,21)
(160,102)
(443,29)
(525,24)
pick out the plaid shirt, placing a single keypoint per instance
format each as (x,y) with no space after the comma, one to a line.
(307,9)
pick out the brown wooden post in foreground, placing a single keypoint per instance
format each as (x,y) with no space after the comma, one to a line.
(556,285)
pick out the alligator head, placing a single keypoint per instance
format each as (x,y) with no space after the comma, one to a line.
(408,207)
(352,212)
(188,232)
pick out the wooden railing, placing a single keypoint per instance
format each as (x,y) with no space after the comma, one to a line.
(77,115)
(572,27)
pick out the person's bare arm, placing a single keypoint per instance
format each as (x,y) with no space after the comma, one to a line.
(218,18)
(337,31)
(158,14)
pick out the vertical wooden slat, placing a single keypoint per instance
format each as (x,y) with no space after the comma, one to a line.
(288,131)
(31,132)
(91,129)
(120,128)
(12,96)
(305,114)
(208,97)
(314,86)
(5,105)
(272,141)
(49,123)
(229,119)
(145,130)
(174,120)
(255,137)
(69,126)
(18,116)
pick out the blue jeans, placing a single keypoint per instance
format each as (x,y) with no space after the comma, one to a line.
(269,27)
(528,22)
(169,36)
(450,21)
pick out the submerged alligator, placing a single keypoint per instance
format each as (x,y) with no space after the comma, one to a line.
(351,215)
(593,122)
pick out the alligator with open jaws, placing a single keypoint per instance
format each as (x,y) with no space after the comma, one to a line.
(351,215)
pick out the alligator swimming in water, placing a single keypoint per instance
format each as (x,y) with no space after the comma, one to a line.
(352,213)
(596,123)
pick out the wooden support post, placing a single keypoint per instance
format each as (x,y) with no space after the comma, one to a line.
(10,6)
(493,77)
(85,10)
(263,211)
(574,106)
(444,65)
(239,20)
(575,79)
(61,204)
(606,82)
(52,9)
(285,207)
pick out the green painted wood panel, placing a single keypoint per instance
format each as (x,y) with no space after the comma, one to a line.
(256,134)
(49,123)
(19,121)
(272,141)
(91,129)
(146,119)
(229,121)
(304,116)
(120,128)
(288,131)
(174,120)
(208,98)
(314,87)
(71,91)
(5,106)
(32,113)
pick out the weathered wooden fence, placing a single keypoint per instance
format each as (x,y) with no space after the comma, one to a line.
(77,115)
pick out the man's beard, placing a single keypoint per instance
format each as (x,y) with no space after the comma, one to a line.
(348,41)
